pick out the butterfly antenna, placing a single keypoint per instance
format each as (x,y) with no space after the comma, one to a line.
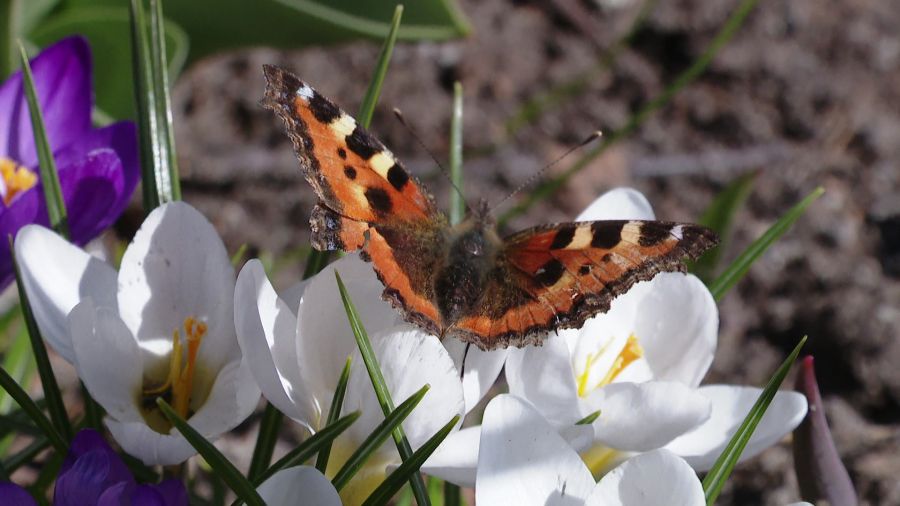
(422,145)
(462,368)
(534,177)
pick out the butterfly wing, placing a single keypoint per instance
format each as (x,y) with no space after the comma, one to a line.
(367,199)
(557,276)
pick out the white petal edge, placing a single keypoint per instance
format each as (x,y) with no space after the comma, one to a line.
(299,486)
(657,477)
(618,204)
(266,331)
(524,461)
(645,416)
(543,376)
(730,404)
(151,447)
(481,369)
(57,275)
(233,398)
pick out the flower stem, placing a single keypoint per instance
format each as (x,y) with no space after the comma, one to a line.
(9,10)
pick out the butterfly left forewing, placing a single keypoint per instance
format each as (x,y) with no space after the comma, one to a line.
(556,276)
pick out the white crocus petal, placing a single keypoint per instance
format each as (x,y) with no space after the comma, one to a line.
(299,486)
(525,461)
(730,404)
(233,398)
(177,267)
(153,448)
(266,331)
(57,275)
(657,477)
(677,327)
(324,337)
(481,368)
(409,359)
(543,375)
(618,204)
(645,416)
(107,359)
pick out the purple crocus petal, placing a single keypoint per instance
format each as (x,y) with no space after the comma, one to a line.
(89,469)
(14,495)
(173,492)
(88,440)
(130,494)
(28,207)
(94,193)
(121,137)
(62,78)
(117,495)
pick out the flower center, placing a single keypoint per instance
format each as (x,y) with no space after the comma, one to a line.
(179,384)
(630,352)
(16,179)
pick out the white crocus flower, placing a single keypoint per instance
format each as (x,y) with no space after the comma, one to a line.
(299,486)
(639,365)
(162,327)
(296,350)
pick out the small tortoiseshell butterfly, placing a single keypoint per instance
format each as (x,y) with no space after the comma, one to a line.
(464,280)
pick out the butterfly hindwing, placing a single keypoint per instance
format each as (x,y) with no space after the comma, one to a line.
(556,276)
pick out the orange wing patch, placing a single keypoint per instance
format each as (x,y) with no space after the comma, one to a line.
(559,275)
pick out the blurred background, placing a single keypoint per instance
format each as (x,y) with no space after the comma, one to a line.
(806,93)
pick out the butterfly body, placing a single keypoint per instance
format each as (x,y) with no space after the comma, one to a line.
(464,280)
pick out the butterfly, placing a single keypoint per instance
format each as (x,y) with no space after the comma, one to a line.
(464,280)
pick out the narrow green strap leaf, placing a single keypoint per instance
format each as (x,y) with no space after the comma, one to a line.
(409,467)
(305,450)
(163,96)
(27,454)
(56,207)
(52,395)
(93,412)
(376,438)
(696,69)
(334,412)
(384,58)
(452,494)
(719,216)
(265,441)
(33,411)
(381,390)
(457,202)
(8,34)
(715,479)
(589,419)
(221,465)
(239,255)
(742,264)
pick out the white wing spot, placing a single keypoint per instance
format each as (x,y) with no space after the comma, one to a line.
(678,232)
(306,92)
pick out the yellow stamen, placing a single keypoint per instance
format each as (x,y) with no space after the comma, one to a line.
(599,459)
(631,352)
(16,178)
(583,377)
(180,380)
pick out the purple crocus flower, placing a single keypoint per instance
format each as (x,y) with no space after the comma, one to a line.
(98,168)
(93,474)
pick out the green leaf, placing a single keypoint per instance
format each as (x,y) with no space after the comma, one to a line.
(719,216)
(27,454)
(239,255)
(221,465)
(382,393)
(52,395)
(106,28)
(159,173)
(686,77)
(265,441)
(33,411)
(56,207)
(8,34)
(334,412)
(452,494)
(589,419)
(734,272)
(367,108)
(457,202)
(715,479)
(409,467)
(376,438)
(305,450)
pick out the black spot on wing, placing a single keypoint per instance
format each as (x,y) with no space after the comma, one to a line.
(341,152)
(654,233)
(379,200)
(584,270)
(397,176)
(606,235)
(350,172)
(550,272)
(323,109)
(563,237)
(363,144)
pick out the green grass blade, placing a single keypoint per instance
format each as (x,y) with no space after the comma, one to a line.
(686,77)
(56,207)
(715,479)
(52,395)
(33,411)
(27,454)
(384,58)
(376,438)
(457,202)
(239,255)
(589,419)
(265,441)
(305,450)
(409,467)
(719,216)
(381,390)
(452,494)
(334,413)
(163,96)
(8,33)
(221,465)
(734,272)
